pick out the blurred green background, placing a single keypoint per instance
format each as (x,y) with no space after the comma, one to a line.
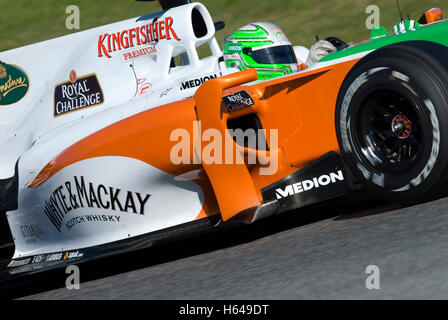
(28,21)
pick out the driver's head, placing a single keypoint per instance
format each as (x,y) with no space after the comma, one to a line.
(263,46)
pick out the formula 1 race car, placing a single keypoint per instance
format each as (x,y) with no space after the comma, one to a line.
(115,138)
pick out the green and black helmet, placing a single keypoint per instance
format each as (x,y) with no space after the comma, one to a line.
(263,46)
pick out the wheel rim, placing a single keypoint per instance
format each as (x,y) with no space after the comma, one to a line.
(389,131)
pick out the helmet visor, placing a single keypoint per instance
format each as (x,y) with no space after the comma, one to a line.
(273,55)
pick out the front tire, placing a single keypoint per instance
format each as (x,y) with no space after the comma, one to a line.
(392,122)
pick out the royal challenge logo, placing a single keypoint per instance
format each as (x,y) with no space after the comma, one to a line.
(77,93)
(14,84)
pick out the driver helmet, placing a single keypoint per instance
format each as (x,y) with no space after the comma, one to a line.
(263,46)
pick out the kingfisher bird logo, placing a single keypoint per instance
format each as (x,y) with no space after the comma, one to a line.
(14,84)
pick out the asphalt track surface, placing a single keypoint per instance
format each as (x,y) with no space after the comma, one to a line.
(315,253)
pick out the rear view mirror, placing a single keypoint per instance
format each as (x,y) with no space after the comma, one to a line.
(431,16)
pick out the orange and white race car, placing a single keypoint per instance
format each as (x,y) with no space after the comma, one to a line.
(114,138)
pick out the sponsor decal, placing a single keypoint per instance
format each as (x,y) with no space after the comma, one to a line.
(234,48)
(279,32)
(165,92)
(129,38)
(19,263)
(310,184)
(14,84)
(189,84)
(53,257)
(32,232)
(238,101)
(73,255)
(38,259)
(143,86)
(50,257)
(138,53)
(77,93)
(76,194)
(91,218)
